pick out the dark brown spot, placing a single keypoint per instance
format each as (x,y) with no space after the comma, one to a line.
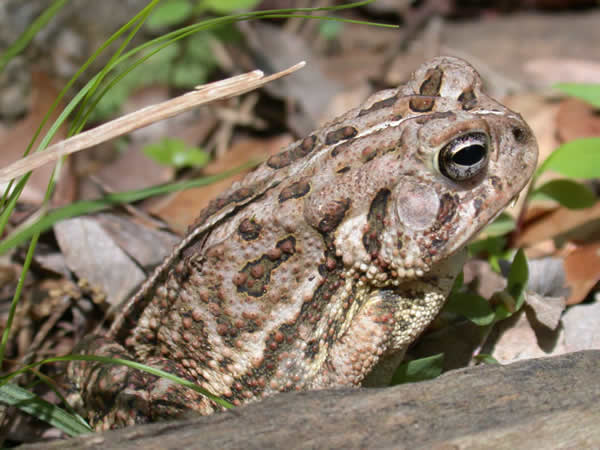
(288,246)
(280,160)
(249,229)
(294,190)
(300,150)
(340,134)
(376,222)
(333,213)
(256,275)
(241,194)
(421,104)
(312,348)
(437,243)
(448,206)
(468,99)
(343,169)
(368,153)
(519,134)
(379,105)
(307,145)
(433,82)
(496,182)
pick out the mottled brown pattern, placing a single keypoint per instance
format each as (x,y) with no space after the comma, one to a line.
(468,99)
(496,182)
(322,266)
(376,222)
(448,206)
(254,278)
(433,82)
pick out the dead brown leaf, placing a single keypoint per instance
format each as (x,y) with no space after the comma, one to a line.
(582,267)
(577,119)
(148,247)
(560,222)
(91,253)
(15,139)
(520,338)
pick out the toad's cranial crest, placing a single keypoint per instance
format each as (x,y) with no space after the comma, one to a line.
(325,263)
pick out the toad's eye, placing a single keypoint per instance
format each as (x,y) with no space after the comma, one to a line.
(464,157)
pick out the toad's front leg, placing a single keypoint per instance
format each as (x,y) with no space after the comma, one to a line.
(388,321)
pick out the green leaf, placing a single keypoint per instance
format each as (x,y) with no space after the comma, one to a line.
(228,6)
(176,153)
(576,159)
(589,92)
(503,224)
(24,39)
(169,13)
(419,369)
(568,193)
(472,306)
(188,74)
(13,395)
(197,62)
(517,278)
(330,30)
(487,359)
(458,283)
(494,245)
(502,311)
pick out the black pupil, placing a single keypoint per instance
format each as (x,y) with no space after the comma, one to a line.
(470,155)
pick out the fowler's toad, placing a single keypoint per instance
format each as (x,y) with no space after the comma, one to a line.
(325,263)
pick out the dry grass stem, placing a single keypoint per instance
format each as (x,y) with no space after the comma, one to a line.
(204,94)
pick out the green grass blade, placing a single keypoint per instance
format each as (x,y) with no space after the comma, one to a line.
(91,206)
(80,119)
(16,296)
(13,395)
(19,45)
(5,380)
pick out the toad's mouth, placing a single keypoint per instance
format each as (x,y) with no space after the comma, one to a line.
(480,226)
